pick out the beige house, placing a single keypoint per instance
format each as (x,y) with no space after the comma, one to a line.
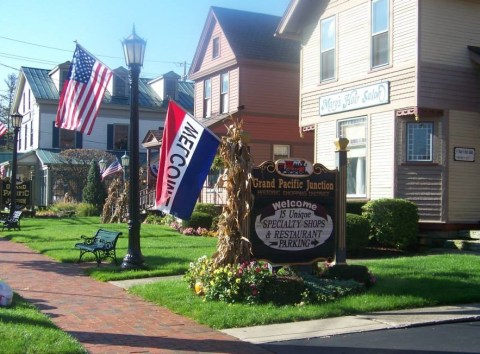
(401,80)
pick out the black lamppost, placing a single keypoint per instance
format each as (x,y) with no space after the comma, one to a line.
(134,50)
(16,124)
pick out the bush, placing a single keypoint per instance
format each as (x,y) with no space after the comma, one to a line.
(60,208)
(86,209)
(357,233)
(394,222)
(211,209)
(198,219)
(355,207)
(358,273)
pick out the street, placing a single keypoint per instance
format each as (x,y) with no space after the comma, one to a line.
(459,337)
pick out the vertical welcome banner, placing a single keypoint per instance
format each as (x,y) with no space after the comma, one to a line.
(186,155)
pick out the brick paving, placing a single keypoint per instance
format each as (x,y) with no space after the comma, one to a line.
(103,317)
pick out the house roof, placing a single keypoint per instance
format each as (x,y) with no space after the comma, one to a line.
(293,20)
(251,36)
(185,94)
(43,88)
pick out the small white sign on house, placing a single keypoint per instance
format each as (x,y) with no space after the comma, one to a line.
(464,154)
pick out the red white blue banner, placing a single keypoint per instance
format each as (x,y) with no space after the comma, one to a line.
(186,155)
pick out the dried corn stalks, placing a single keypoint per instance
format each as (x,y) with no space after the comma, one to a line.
(233,245)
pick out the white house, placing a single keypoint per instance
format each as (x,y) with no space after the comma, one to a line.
(400,79)
(36,98)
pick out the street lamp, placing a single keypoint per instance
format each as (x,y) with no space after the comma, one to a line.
(134,50)
(16,124)
(125,163)
(102,164)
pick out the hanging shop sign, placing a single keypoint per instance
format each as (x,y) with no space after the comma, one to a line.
(361,97)
(293,214)
(24,194)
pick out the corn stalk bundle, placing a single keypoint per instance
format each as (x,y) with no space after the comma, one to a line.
(233,244)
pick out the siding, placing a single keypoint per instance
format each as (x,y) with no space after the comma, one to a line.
(325,134)
(381,155)
(423,186)
(226,52)
(463,191)
(447,77)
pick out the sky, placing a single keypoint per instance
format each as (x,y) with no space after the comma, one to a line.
(42,34)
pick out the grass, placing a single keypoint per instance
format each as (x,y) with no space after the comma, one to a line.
(23,329)
(405,282)
(166,252)
(402,282)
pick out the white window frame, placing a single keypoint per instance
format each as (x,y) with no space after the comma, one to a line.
(215,47)
(224,89)
(379,34)
(328,47)
(207,98)
(414,131)
(281,152)
(357,156)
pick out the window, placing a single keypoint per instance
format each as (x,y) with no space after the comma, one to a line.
(31,132)
(215,47)
(66,139)
(224,93)
(207,98)
(327,49)
(380,33)
(25,139)
(419,141)
(281,152)
(120,137)
(355,130)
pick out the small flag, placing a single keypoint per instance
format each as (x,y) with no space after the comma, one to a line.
(82,92)
(186,156)
(3,129)
(114,167)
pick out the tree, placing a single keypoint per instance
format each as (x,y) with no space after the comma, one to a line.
(94,191)
(6,101)
(71,170)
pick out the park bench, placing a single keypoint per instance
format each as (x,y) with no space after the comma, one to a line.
(102,245)
(12,222)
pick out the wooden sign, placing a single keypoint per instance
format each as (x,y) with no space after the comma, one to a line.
(293,215)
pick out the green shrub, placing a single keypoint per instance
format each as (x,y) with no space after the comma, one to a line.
(357,232)
(154,219)
(394,222)
(211,209)
(358,273)
(198,219)
(355,207)
(62,207)
(86,209)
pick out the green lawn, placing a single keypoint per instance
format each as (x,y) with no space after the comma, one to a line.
(403,282)
(166,252)
(23,329)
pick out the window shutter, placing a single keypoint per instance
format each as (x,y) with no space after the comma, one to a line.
(55,136)
(109,136)
(78,140)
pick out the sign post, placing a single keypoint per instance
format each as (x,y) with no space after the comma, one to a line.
(340,245)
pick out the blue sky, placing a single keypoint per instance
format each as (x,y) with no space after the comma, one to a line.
(41,34)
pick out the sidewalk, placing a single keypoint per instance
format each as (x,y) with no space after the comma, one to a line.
(106,319)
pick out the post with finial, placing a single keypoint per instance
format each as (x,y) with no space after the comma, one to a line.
(341,164)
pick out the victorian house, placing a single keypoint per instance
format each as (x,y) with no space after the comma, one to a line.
(400,79)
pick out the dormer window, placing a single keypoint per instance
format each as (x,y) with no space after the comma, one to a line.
(120,83)
(215,47)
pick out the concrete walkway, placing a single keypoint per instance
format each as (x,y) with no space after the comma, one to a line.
(106,319)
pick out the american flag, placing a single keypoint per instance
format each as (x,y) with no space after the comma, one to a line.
(3,129)
(114,167)
(82,92)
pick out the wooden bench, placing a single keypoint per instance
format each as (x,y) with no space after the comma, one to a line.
(102,245)
(12,222)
